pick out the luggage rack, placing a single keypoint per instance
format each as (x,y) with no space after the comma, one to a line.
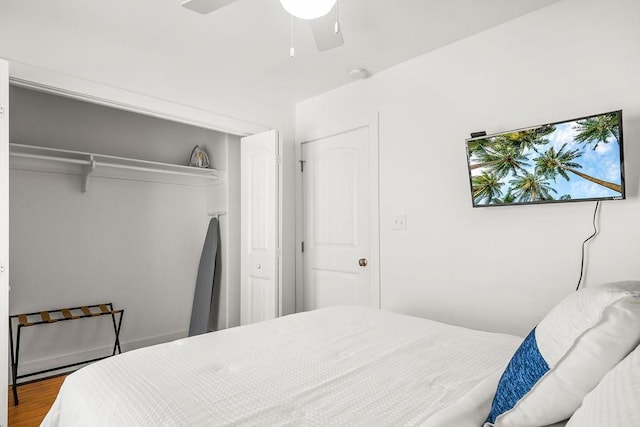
(59,315)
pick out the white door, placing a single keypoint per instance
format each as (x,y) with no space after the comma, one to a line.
(259,163)
(339,220)
(4,232)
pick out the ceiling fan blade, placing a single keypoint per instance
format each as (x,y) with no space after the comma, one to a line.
(324,32)
(206,6)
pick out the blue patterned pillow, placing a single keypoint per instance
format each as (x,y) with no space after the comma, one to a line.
(566,355)
(524,370)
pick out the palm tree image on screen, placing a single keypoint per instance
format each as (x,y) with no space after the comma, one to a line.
(578,159)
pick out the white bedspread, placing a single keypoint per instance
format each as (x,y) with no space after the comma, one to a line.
(335,366)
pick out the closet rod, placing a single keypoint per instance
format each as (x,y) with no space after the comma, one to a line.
(144,169)
(110,165)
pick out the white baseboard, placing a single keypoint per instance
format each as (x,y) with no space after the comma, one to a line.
(65,359)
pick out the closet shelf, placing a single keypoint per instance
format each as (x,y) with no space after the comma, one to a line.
(88,165)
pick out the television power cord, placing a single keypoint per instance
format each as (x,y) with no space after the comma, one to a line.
(584,243)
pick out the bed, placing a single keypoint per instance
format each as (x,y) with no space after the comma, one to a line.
(333,366)
(358,366)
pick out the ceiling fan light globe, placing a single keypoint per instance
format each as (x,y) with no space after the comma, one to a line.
(308,9)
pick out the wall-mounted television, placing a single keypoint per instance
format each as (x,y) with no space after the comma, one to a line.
(569,161)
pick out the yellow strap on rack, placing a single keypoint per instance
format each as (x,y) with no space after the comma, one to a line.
(46,317)
(67,314)
(23,320)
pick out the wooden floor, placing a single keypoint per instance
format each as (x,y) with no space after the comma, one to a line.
(35,400)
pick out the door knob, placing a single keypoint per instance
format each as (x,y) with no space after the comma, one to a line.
(362,262)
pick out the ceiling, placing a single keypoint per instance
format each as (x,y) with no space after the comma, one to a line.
(234,61)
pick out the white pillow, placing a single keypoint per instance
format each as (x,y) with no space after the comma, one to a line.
(616,399)
(566,355)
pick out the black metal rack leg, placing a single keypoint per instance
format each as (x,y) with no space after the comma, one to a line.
(116,330)
(14,364)
(46,319)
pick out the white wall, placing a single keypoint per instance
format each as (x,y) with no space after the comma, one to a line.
(134,243)
(497,269)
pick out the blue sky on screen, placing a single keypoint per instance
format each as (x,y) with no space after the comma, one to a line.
(602,163)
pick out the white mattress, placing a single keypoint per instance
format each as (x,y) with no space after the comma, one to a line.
(335,366)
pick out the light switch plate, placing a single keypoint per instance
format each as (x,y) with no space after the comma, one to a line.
(399,222)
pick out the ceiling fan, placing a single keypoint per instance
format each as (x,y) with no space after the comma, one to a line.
(324,24)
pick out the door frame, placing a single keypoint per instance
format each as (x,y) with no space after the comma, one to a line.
(340,126)
(4,243)
(48,81)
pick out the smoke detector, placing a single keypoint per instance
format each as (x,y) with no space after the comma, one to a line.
(358,73)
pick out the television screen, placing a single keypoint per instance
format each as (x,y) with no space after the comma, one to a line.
(573,160)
